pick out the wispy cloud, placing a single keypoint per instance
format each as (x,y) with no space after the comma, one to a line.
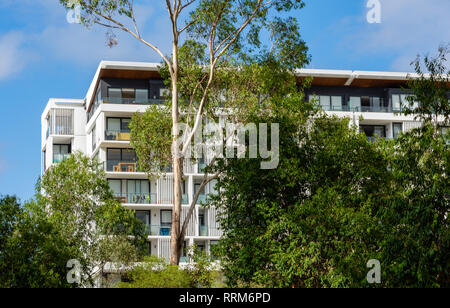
(13,55)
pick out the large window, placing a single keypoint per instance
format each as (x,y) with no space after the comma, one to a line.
(121,160)
(144,216)
(328,102)
(166,222)
(60,152)
(127,96)
(400,101)
(368,104)
(117,129)
(373,130)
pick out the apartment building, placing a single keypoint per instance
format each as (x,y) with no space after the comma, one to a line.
(98,126)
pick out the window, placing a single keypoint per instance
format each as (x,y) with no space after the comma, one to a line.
(143,216)
(115,95)
(336,103)
(127,96)
(400,101)
(197,187)
(121,160)
(94,138)
(397,128)
(355,103)
(166,222)
(166,217)
(324,102)
(373,130)
(141,96)
(60,152)
(121,154)
(116,186)
(138,188)
(203,227)
(117,129)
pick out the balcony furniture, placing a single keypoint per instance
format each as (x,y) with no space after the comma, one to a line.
(164,231)
(123,136)
(130,167)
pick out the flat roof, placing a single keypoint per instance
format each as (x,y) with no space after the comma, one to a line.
(320,77)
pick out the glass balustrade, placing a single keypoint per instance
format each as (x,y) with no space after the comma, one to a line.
(117,135)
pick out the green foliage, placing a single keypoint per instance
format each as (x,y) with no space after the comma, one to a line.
(81,207)
(202,271)
(33,253)
(431,89)
(151,137)
(156,273)
(416,245)
(310,222)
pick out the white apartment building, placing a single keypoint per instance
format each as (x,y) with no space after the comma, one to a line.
(98,126)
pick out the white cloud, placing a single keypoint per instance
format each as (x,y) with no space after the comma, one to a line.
(13,56)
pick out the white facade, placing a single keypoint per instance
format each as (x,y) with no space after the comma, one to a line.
(85,125)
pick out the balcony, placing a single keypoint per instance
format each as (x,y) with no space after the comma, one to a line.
(60,122)
(117,135)
(156,230)
(121,166)
(132,101)
(359,109)
(137,198)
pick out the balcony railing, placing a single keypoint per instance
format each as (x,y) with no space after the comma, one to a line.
(121,166)
(132,101)
(117,135)
(137,198)
(203,231)
(360,109)
(163,230)
(57,158)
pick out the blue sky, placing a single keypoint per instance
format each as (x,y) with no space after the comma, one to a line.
(42,56)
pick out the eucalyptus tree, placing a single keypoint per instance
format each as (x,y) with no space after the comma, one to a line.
(228,28)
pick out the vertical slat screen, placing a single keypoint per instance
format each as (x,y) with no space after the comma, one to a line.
(61,121)
(213,224)
(190,231)
(164,248)
(165,190)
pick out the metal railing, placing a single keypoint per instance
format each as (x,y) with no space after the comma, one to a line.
(117,135)
(132,101)
(137,198)
(359,109)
